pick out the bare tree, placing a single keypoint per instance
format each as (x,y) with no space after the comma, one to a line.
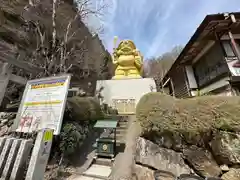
(87,7)
(157,68)
(60,50)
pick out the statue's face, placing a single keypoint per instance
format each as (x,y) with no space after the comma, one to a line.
(126,47)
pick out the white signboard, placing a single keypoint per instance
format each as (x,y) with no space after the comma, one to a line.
(235,71)
(43,104)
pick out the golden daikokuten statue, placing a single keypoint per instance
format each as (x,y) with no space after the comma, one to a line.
(128,60)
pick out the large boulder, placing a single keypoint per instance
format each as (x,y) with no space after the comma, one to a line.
(154,156)
(143,173)
(226,147)
(202,161)
(170,141)
(233,174)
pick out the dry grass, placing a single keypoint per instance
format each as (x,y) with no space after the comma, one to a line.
(200,116)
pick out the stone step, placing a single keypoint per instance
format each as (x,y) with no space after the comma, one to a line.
(98,171)
(122,128)
(122,122)
(122,125)
(123,119)
(92,177)
(103,161)
(118,136)
(81,177)
(118,117)
(120,141)
(121,131)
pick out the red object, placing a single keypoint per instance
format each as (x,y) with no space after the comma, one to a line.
(237,64)
(23,121)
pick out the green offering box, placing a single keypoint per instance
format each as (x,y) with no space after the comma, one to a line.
(105,147)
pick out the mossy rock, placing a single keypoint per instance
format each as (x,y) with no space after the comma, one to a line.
(194,119)
(84,108)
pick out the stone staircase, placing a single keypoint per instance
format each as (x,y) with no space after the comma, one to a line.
(121,130)
(101,168)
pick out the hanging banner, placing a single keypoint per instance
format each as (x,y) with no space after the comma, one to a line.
(43,105)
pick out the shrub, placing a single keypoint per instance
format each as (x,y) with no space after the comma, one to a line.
(191,118)
(71,137)
(78,121)
(84,108)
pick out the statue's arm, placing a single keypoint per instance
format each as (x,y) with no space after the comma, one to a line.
(138,60)
(114,58)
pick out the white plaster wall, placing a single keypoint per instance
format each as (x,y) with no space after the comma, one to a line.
(125,89)
(191,78)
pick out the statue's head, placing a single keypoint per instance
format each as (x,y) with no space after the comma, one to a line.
(126,46)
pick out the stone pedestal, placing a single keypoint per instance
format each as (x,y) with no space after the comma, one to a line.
(124,94)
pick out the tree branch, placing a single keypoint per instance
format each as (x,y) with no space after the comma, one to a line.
(54,33)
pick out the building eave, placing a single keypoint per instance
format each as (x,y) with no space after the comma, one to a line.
(212,24)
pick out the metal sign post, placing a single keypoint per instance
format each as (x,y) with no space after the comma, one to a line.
(40,155)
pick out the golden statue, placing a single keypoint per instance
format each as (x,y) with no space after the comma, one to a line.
(128,60)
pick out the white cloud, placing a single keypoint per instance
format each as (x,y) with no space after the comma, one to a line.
(157,25)
(158,42)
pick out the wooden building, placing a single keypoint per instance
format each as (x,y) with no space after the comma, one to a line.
(210,62)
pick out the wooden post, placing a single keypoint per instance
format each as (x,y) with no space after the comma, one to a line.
(234,45)
(5,73)
(172,86)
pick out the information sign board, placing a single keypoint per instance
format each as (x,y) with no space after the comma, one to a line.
(43,104)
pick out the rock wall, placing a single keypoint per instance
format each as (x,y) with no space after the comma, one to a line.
(221,162)
(6,121)
(200,133)
(151,155)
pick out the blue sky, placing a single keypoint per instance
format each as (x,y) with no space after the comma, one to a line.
(156,26)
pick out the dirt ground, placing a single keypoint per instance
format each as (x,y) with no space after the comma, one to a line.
(124,162)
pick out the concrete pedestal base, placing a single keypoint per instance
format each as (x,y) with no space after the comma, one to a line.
(124,94)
